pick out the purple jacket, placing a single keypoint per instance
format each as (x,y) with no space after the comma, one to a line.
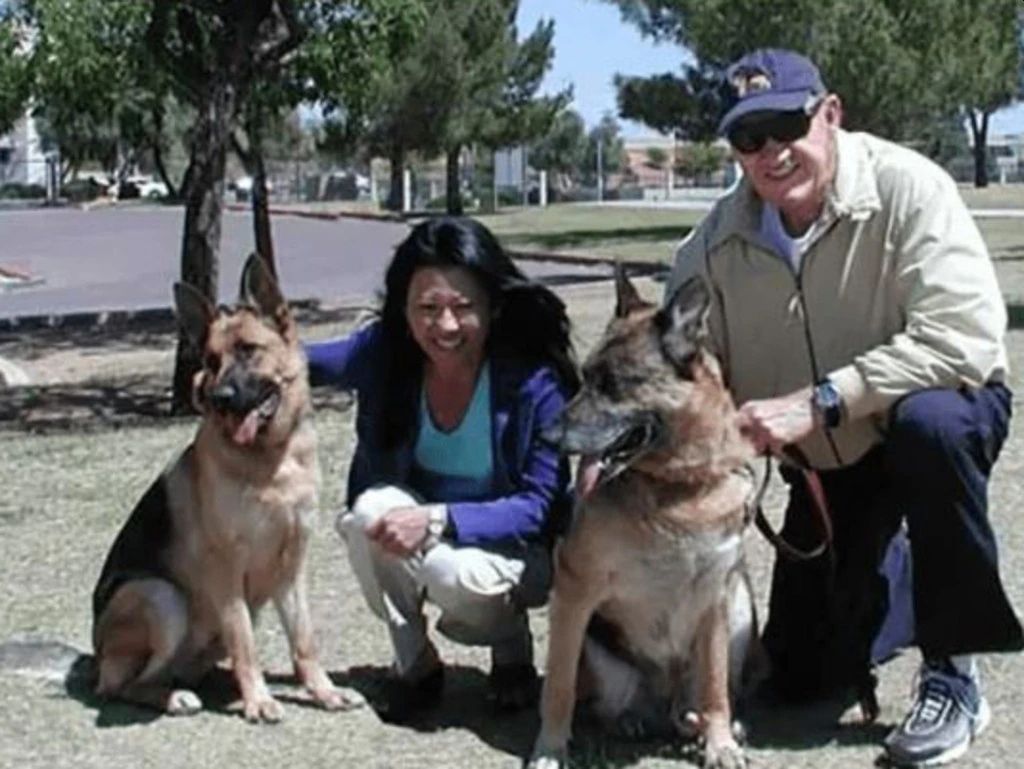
(532,500)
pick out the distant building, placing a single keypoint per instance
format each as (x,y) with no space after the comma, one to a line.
(22,159)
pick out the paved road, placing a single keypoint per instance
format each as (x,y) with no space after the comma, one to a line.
(127,258)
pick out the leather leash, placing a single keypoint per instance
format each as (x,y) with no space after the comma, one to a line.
(819,504)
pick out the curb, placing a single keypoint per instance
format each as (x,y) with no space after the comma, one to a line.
(152,318)
(383,216)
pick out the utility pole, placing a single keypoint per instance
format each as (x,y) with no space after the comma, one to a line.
(600,168)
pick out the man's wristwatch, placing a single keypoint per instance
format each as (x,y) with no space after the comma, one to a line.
(827,403)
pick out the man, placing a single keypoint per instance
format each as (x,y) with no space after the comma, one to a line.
(858,318)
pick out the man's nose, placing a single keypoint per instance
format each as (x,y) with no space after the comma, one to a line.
(772,148)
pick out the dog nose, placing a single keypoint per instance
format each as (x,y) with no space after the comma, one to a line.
(224,396)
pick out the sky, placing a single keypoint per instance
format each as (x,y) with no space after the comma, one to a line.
(592,44)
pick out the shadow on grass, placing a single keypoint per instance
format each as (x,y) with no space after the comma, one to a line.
(129,402)
(218,692)
(463,706)
(571,238)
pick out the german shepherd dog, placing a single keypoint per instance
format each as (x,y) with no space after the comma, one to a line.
(651,613)
(224,528)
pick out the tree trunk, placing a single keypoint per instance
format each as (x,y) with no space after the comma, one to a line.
(397,160)
(453,188)
(979,132)
(204,203)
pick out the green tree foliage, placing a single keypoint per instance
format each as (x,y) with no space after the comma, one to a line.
(604,138)
(898,66)
(687,107)
(15,72)
(562,150)
(462,79)
(92,89)
(980,69)
(656,158)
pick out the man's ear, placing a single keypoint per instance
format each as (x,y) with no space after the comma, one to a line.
(684,320)
(832,107)
(627,298)
(195,313)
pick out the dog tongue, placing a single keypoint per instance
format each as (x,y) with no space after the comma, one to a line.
(587,475)
(245,433)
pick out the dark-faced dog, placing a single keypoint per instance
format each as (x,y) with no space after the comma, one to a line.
(651,605)
(224,529)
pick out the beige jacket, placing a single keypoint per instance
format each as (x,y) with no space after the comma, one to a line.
(896,292)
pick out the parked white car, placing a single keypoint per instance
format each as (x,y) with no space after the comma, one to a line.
(139,186)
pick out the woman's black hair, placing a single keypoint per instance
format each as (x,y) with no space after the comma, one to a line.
(528,321)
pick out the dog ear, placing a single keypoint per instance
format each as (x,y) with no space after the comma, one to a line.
(627,299)
(259,289)
(195,313)
(684,321)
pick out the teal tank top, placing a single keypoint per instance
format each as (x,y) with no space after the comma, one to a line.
(456,466)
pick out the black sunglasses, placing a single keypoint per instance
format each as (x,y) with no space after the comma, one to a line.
(752,132)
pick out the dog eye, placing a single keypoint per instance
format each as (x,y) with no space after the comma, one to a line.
(602,379)
(246,349)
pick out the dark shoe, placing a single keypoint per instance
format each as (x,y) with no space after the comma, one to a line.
(513,686)
(403,700)
(948,713)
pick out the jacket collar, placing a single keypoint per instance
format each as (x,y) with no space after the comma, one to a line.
(854,193)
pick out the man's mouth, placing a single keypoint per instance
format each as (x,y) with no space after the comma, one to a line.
(782,170)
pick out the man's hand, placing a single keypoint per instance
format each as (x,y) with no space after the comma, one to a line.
(773,423)
(400,531)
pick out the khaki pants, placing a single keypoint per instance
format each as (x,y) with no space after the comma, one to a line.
(483,593)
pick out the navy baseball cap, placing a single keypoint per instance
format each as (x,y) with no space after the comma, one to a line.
(771,80)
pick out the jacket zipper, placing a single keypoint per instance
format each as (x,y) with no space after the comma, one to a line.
(805,320)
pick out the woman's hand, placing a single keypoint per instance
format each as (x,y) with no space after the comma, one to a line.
(773,423)
(400,531)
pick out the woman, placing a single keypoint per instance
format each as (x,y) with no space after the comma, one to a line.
(453,494)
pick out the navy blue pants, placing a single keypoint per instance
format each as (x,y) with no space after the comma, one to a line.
(932,471)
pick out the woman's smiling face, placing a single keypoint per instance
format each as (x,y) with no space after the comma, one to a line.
(449,315)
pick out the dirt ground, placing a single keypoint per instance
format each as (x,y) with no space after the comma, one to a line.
(77,453)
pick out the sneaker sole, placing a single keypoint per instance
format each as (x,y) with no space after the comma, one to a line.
(980,725)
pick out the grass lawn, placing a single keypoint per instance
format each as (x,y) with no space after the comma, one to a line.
(994,196)
(631,234)
(68,488)
(651,234)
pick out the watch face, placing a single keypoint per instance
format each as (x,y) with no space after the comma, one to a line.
(828,402)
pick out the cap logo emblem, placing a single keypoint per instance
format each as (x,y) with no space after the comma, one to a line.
(750,82)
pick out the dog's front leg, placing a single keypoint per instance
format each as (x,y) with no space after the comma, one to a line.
(571,607)
(257,702)
(715,716)
(293,608)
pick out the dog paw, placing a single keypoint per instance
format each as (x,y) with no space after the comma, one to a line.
(264,710)
(554,758)
(183,702)
(728,755)
(339,699)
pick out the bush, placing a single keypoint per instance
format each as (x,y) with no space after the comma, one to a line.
(82,190)
(19,191)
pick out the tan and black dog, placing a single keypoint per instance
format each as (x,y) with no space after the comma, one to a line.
(224,528)
(651,615)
